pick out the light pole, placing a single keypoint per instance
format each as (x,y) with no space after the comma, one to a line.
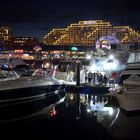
(78,108)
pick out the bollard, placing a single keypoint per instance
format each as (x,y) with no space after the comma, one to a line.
(78,73)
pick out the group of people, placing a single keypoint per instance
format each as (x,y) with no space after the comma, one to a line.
(95,78)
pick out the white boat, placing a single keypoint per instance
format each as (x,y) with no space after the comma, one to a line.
(63,72)
(128,91)
(27,95)
(12,81)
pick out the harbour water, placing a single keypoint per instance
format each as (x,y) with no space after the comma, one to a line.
(99,117)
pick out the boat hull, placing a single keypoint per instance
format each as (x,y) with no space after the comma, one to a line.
(129,102)
(21,102)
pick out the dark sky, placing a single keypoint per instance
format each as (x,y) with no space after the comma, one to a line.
(36,18)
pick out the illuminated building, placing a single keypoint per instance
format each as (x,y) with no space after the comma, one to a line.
(126,34)
(6,35)
(53,36)
(86,33)
(2,43)
(25,41)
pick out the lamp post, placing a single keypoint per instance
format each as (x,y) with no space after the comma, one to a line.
(78,108)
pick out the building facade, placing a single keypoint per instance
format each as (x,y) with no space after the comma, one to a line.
(53,36)
(86,33)
(25,41)
(126,35)
(6,36)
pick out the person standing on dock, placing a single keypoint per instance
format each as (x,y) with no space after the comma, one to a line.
(86,76)
(89,77)
(114,76)
(105,79)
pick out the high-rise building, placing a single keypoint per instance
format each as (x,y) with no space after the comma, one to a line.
(126,35)
(88,32)
(54,35)
(6,35)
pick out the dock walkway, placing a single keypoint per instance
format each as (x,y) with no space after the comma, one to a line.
(87,88)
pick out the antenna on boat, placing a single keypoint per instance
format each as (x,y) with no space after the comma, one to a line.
(125,17)
(54,71)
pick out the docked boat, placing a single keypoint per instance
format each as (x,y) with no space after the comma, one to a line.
(128,90)
(26,95)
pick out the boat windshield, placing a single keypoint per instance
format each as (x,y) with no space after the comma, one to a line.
(40,73)
(134,57)
(7,75)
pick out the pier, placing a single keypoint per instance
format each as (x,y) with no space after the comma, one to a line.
(87,89)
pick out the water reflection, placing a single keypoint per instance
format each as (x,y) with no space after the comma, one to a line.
(105,109)
(125,126)
(100,118)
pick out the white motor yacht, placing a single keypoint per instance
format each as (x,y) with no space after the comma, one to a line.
(128,91)
(26,95)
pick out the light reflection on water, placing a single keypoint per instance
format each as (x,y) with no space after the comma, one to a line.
(95,110)
(120,124)
(125,126)
(103,107)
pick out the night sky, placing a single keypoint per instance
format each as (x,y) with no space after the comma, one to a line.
(36,18)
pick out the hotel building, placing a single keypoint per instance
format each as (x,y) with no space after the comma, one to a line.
(53,36)
(126,35)
(6,35)
(86,33)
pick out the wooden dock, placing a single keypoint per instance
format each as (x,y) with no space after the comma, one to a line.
(87,89)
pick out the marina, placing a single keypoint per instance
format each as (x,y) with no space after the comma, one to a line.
(80,82)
